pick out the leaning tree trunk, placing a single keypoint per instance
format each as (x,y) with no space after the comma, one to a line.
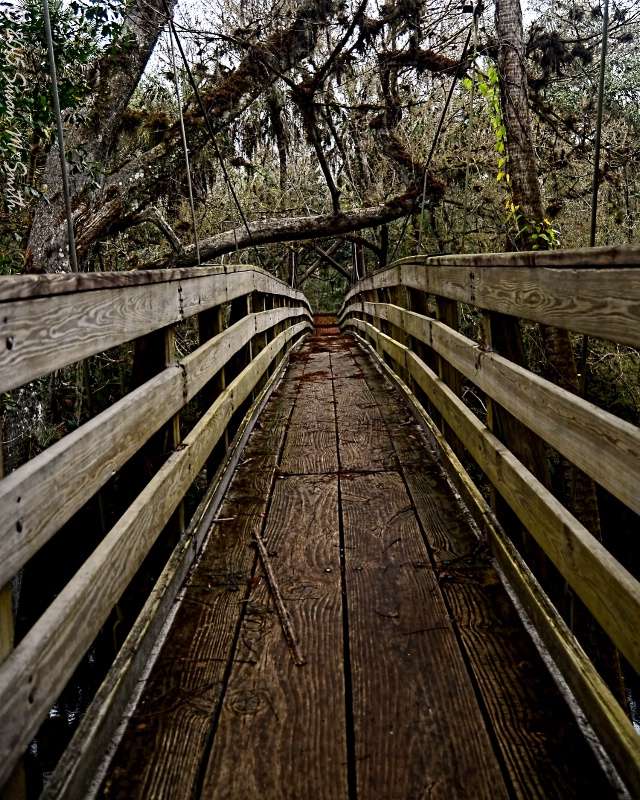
(579,490)
(130,188)
(113,81)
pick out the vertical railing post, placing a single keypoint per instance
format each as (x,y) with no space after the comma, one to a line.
(240,307)
(418,302)
(278,303)
(15,788)
(173,426)
(288,323)
(396,296)
(448,312)
(502,335)
(210,324)
(270,333)
(373,296)
(258,304)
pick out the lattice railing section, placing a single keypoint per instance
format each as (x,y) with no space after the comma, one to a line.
(248,321)
(409,313)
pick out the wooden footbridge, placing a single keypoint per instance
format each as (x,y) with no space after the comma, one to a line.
(343,616)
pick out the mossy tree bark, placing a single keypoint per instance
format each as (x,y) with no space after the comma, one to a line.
(560,367)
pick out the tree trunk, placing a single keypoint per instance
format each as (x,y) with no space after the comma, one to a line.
(114,80)
(130,188)
(560,364)
(291,229)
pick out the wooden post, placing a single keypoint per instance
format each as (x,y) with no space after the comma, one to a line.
(278,303)
(502,335)
(15,788)
(396,297)
(173,426)
(154,352)
(269,334)
(286,303)
(374,297)
(210,324)
(417,302)
(448,312)
(240,307)
(258,304)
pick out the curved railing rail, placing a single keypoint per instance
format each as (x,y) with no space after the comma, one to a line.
(592,292)
(52,321)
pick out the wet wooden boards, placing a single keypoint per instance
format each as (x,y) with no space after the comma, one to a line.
(420,680)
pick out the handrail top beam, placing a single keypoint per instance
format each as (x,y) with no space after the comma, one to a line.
(624,255)
(26,287)
(615,257)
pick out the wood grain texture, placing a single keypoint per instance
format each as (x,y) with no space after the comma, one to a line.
(310,451)
(599,443)
(32,677)
(310,447)
(597,301)
(160,753)
(538,729)
(22,287)
(528,716)
(422,737)
(76,770)
(201,365)
(44,333)
(610,592)
(626,255)
(39,497)
(364,440)
(282,731)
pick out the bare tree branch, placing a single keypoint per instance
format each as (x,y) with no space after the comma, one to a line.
(153,216)
(331,260)
(291,229)
(310,270)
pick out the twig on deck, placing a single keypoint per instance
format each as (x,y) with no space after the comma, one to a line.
(285,618)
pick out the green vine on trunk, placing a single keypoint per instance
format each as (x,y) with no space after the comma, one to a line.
(541,235)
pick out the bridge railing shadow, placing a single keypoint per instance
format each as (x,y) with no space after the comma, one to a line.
(408,315)
(247,322)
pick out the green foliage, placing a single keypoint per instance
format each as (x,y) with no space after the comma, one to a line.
(83,30)
(326,289)
(540,234)
(489,88)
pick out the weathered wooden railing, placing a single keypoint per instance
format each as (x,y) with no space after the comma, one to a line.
(595,293)
(49,322)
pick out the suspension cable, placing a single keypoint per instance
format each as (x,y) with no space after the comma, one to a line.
(596,165)
(431,152)
(470,128)
(212,136)
(172,33)
(596,179)
(73,257)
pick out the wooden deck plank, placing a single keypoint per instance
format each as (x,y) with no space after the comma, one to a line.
(160,753)
(529,719)
(309,452)
(418,729)
(287,723)
(399,626)
(310,447)
(364,440)
(435,650)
